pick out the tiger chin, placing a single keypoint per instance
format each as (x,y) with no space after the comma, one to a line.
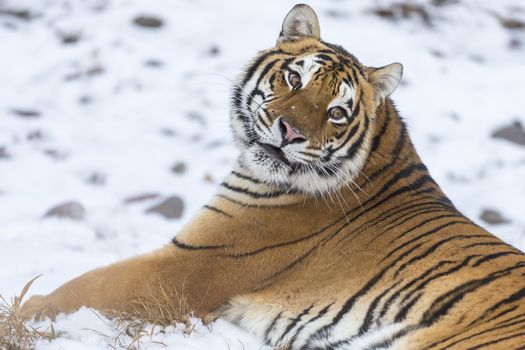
(329,233)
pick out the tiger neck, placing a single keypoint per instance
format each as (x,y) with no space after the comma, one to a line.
(392,165)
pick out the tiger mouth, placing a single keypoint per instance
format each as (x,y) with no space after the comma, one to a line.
(275,152)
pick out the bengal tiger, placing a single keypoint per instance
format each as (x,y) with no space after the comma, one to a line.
(329,233)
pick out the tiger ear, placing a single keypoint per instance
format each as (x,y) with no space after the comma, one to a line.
(300,22)
(385,80)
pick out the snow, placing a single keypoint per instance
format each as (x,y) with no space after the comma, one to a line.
(112,125)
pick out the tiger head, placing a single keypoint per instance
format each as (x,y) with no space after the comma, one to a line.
(303,112)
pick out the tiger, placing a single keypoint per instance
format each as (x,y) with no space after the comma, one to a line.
(329,232)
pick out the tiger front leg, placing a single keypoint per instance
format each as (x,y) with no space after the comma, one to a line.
(165,281)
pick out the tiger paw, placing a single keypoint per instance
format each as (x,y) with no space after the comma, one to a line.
(39,307)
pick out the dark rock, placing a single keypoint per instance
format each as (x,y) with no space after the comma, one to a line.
(454,116)
(511,23)
(402,11)
(513,133)
(96,179)
(147,21)
(24,15)
(26,112)
(493,217)
(85,99)
(95,70)
(439,3)
(55,154)
(153,63)
(35,135)
(437,53)
(515,44)
(69,210)
(141,198)
(337,14)
(198,117)
(69,38)
(3,153)
(214,50)
(170,208)
(215,144)
(477,58)
(168,132)
(179,168)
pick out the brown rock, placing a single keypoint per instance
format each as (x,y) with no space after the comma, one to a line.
(511,23)
(25,112)
(69,38)
(141,198)
(170,208)
(179,168)
(513,133)
(493,217)
(69,210)
(21,14)
(403,11)
(148,21)
(208,178)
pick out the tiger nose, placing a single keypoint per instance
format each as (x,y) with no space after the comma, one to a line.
(289,134)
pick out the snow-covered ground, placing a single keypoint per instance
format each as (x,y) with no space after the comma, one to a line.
(98,110)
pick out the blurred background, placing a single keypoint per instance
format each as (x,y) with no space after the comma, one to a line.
(114,114)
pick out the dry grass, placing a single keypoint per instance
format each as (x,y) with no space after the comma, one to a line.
(15,334)
(148,317)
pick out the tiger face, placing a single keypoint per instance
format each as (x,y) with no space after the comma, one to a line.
(303,112)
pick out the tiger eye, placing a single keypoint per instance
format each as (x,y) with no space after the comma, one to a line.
(294,79)
(337,113)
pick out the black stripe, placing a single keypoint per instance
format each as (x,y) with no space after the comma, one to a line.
(251,193)
(490,257)
(197,247)
(318,316)
(446,301)
(401,138)
(448,272)
(352,133)
(290,265)
(384,128)
(393,217)
(254,206)
(357,145)
(517,296)
(402,313)
(503,313)
(246,177)
(487,244)
(481,333)
(437,208)
(499,340)
(396,295)
(424,234)
(432,249)
(217,210)
(253,68)
(294,322)
(271,326)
